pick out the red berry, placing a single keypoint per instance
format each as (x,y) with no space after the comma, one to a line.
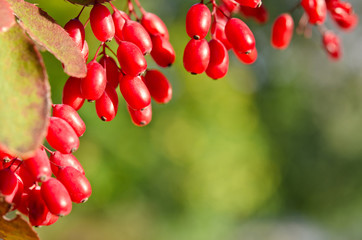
(56,197)
(332,45)
(71,93)
(198,21)
(75,29)
(247,58)
(230,5)
(239,35)
(218,32)
(112,70)
(107,104)
(71,116)
(158,86)
(26,176)
(8,182)
(59,160)
(102,23)
(134,32)
(219,60)
(141,117)
(38,210)
(94,84)
(249,3)
(119,19)
(316,10)
(135,92)
(282,31)
(131,59)
(342,13)
(162,52)
(61,136)
(76,184)
(24,202)
(259,14)
(154,25)
(196,56)
(39,166)
(85,51)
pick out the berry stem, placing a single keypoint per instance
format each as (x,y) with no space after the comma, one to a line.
(140,6)
(80,12)
(131,10)
(295,7)
(99,48)
(110,50)
(47,149)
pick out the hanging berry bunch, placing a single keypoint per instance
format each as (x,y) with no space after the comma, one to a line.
(135,38)
(315,14)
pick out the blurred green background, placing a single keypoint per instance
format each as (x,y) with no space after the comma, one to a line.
(272,151)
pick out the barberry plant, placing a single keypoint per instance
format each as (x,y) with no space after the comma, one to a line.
(42,182)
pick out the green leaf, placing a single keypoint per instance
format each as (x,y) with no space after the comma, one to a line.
(87,2)
(47,33)
(15,229)
(24,94)
(7,19)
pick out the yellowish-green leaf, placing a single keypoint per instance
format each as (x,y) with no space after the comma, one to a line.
(15,229)
(24,94)
(47,33)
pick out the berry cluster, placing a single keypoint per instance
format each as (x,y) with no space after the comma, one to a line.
(227,33)
(28,183)
(315,13)
(135,38)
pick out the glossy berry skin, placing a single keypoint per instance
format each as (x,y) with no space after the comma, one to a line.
(76,184)
(131,59)
(158,86)
(162,52)
(61,136)
(196,56)
(71,116)
(38,210)
(219,60)
(107,104)
(26,176)
(282,31)
(249,3)
(85,51)
(39,166)
(135,92)
(75,29)
(94,84)
(247,58)
(342,14)
(56,197)
(218,32)
(102,23)
(8,182)
(119,19)
(111,68)
(316,10)
(141,117)
(134,32)
(72,95)
(59,160)
(239,35)
(154,25)
(332,45)
(198,21)
(259,14)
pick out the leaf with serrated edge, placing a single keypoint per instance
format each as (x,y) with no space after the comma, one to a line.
(15,229)
(87,2)
(46,32)
(7,19)
(24,94)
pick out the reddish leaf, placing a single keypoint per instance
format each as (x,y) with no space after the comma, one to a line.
(7,19)
(87,2)
(15,229)
(46,32)
(24,94)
